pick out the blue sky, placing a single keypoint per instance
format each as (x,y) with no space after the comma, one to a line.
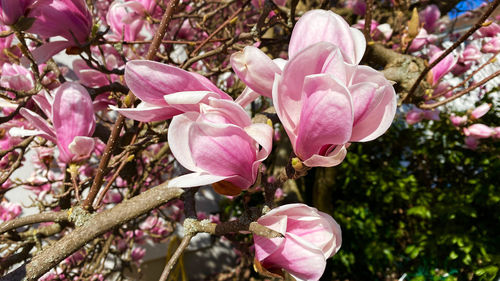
(464,6)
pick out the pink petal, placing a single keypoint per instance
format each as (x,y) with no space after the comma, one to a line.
(333,158)
(82,146)
(255,69)
(72,113)
(178,139)
(265,246)
(189,100)
(39,123)
(287,91)
(320,25)
(195,179)
(224,150)
(374,111)
(145,112)
(46,51)
(150,81)
(246,97)
(229,110)
(298,257)
(326,117)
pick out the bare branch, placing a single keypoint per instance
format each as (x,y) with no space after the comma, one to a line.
(32,219)
(98,225)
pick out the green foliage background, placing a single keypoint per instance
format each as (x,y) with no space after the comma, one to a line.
(415,201)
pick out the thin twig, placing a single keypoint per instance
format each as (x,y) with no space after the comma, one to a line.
(235,14)
(368,20)
(175,257)
(32,219)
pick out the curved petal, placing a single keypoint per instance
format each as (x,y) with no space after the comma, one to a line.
(320,25)
(145,112)
(263,135)
(178,139)
(150,81)
(38,122)
(224,150)
(298,257)
(255,69)
(232,112)
(287,91)
(46,51)
(332,159)
(326,117)
(194,179)
(189,100)
(246,97)
(82,146)
(334,245)
(265,246)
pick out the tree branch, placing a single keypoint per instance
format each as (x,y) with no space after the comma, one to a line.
(98,225)
(35,218)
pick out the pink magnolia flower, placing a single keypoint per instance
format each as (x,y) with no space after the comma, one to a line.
(480,111)
(378,31)
(479,131)
(443,67)
(137,254)
(16,77)
(416,115)
(422,39)
(126,19)
(490,30)
(310,237)
(458,120)
(258,71)
(73,121)
(491,46)
(219,143)
(74,23)
(471,53)
(165,91)
(322,97)
(430,17)
(12,10)
(324,103)
(9,210)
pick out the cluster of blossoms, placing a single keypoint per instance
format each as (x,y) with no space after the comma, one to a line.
(322,96)
(472,62)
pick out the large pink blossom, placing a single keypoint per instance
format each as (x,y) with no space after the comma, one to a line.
(12,10)
(218,143)
(324,103)
(73,121)
(323,98)
(69,19)
(310,237)
(165,91)
(126,19)
(258,71)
